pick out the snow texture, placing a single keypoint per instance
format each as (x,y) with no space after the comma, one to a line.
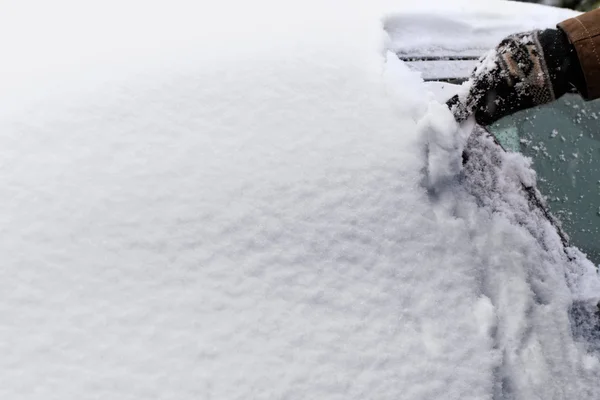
(238,205)
(463,27)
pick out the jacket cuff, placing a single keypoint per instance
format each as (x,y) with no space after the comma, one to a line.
(583,32)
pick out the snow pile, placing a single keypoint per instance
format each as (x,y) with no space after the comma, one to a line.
(229,216)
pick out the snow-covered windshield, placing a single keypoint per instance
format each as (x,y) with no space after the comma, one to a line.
(262,201)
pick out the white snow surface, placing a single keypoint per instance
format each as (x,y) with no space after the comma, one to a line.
(463,27)
(230,204)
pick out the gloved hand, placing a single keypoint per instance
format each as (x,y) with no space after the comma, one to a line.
(523,71)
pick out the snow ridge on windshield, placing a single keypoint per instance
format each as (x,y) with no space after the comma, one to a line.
(540,293)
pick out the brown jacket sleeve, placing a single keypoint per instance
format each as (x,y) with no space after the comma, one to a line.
(583,32)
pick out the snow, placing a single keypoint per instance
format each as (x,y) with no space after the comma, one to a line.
(463,27)
(431,35)
(254,204)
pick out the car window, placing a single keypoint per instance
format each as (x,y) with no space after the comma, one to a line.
(563,140)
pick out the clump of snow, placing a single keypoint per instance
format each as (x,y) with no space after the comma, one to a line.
(487,63)
(444,145)
(244,216)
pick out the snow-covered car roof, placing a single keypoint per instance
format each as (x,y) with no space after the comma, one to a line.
(228,200)
(444,40)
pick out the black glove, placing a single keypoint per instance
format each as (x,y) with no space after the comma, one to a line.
(523,71)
